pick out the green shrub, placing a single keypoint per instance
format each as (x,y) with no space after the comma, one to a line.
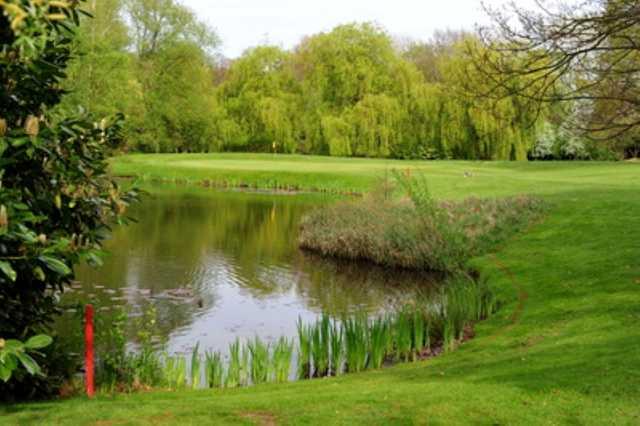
(56,197)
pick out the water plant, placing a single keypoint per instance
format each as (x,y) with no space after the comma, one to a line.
(259,361)
(214,370)
(304,350)
(403,333)
(356,343)
(378,343)
(320,350)
(281,359)
(174,371)
(234,373)
(196,372)
(337,349)
(418,333)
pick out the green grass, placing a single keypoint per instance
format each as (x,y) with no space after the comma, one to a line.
(563,349)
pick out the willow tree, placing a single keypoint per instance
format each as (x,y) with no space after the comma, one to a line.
(260,95)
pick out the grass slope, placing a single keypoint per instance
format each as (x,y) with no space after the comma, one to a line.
(564,350)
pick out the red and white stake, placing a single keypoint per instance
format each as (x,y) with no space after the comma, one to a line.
(88,351)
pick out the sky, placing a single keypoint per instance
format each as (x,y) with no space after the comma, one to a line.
(242,24)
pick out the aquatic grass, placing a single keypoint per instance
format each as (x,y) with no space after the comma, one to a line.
(234,373)
(196,371)
(337,348)
(304,350)
(214,370)
(449,336)
(403,333)
(259,361)
(281,360)
(356,332)
(418,333)
(379,342)
(175,371)
(320,351)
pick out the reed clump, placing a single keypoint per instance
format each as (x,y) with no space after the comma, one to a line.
(414,230)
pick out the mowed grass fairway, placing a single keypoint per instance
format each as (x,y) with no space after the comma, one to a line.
(564,349)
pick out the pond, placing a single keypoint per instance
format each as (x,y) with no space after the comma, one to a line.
(224,265)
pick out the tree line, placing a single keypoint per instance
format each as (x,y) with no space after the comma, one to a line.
(353,91)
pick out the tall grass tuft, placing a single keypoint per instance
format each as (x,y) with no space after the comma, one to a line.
(337,349)
(418,333)
(356,332)
(403,332)
(281,360)
(174,371)
(233,372)
(379,342)
(320,350)
(259,361)
(196,371)
(304,350)
(214,370)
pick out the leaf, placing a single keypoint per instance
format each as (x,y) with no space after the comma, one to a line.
(5,373)
(38,342)
(8,270)
(55,265)
(29,363)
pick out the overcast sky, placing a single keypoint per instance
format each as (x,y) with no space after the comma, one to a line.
(246,23)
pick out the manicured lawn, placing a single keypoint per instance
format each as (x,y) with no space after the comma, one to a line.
(565,349)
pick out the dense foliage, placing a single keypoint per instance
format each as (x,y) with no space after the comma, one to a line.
(347,92)
(56,198)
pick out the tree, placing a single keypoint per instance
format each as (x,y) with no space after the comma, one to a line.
(174,70)
(260,94)
(57,199)
(101,77)
(584,56)
(157,23)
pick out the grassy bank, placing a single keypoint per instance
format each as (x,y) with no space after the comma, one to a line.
(565,349)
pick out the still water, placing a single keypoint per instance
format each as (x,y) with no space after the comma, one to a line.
(224,265)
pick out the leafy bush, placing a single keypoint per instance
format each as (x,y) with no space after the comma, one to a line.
(14,353)
(56,197)
(417,232)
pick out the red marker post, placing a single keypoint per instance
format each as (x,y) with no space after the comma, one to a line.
(88,351)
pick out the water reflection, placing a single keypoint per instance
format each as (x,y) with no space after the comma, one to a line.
(221,265)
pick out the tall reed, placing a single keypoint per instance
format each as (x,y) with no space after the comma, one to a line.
(337,349)
(356,338)
(304,350)
(281,361)
(196,372)
(214,370)
(320,351)
(233,372)
(403,335)
(259,361)
(418,333)
(378,343)
(175,371)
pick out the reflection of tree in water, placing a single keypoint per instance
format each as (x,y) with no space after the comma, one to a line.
(340,287)
(187,242)
(190,244)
